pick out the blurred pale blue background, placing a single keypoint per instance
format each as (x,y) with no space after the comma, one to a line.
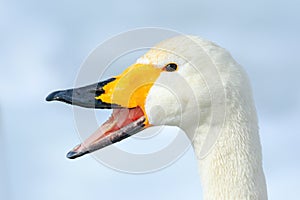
(42,45)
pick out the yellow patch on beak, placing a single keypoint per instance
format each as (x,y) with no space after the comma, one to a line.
(130,89)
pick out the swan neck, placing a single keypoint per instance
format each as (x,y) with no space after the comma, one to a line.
(233,167)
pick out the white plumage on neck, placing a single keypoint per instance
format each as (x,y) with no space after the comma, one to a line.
(233,168)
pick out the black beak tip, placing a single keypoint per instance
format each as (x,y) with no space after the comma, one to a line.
(72,155)
(53,96)
(75,154)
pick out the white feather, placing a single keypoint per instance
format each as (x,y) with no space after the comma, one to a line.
(209,84)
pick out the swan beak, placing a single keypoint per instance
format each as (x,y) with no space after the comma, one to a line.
(83,96)
(125,94)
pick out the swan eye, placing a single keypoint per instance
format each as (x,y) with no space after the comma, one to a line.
(171,67)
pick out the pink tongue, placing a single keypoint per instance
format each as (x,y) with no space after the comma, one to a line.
(118,119)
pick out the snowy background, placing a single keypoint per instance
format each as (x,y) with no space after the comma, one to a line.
(42,45)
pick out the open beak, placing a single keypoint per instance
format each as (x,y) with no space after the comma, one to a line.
(125,94)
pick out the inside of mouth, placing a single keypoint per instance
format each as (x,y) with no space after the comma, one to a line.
(119,118)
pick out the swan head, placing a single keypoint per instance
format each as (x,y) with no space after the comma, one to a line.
(175,83)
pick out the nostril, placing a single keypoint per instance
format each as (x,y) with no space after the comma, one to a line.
(97,91)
